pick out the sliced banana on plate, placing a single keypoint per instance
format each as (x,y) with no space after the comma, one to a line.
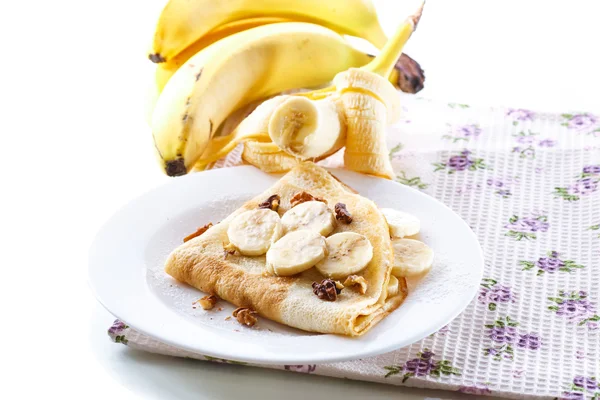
(311,215)
(393,286)
(411,258)
(252,232)
(401,224)
(347,253)
(295,252)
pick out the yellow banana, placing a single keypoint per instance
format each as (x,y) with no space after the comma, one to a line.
(165,70)
(238,70)
(182,22)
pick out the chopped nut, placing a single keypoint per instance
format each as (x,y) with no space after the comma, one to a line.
(342,214)
(338,285)
(326,290)
(227,250)
(357,283)
(199,232)
(303,197)
(208,302)
(245,316)
(227,318)
(272,203)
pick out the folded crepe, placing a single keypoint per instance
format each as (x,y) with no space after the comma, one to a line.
(242,280)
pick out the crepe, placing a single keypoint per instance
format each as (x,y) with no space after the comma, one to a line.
(240,279)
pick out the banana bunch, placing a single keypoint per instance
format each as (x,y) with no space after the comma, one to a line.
(236,71)
(313,125)
(216,57)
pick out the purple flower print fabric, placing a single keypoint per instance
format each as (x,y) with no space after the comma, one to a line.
(528,184)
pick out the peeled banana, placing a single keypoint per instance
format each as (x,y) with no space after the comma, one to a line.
(183,22)
(307,129)
(235,71)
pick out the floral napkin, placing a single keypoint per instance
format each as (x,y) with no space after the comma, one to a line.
(528,184)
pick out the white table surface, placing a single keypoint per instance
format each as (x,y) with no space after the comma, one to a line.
(76,147)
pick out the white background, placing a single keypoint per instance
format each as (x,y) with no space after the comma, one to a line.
(75,147)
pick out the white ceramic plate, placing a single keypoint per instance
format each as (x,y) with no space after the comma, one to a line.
(127,257)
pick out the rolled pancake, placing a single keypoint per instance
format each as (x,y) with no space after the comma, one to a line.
(240,280)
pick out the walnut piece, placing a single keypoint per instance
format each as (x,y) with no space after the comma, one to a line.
(303,197)
(199,232)
(245,316)
(208,302)
(357,283)
(342,213)
(326,290)
(272,203)
(228,249)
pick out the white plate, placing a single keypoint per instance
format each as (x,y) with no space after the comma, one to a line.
(127,256)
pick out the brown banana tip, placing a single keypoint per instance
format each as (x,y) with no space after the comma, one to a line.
(416,17)
(176,167)
(156,58)
(411,77)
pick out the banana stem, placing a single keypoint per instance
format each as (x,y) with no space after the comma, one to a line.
(385,61)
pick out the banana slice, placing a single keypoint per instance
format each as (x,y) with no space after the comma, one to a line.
(393,285)
(311,215)
(295,252)
(411,258)
(401,224)
(252,232)
(347,253)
